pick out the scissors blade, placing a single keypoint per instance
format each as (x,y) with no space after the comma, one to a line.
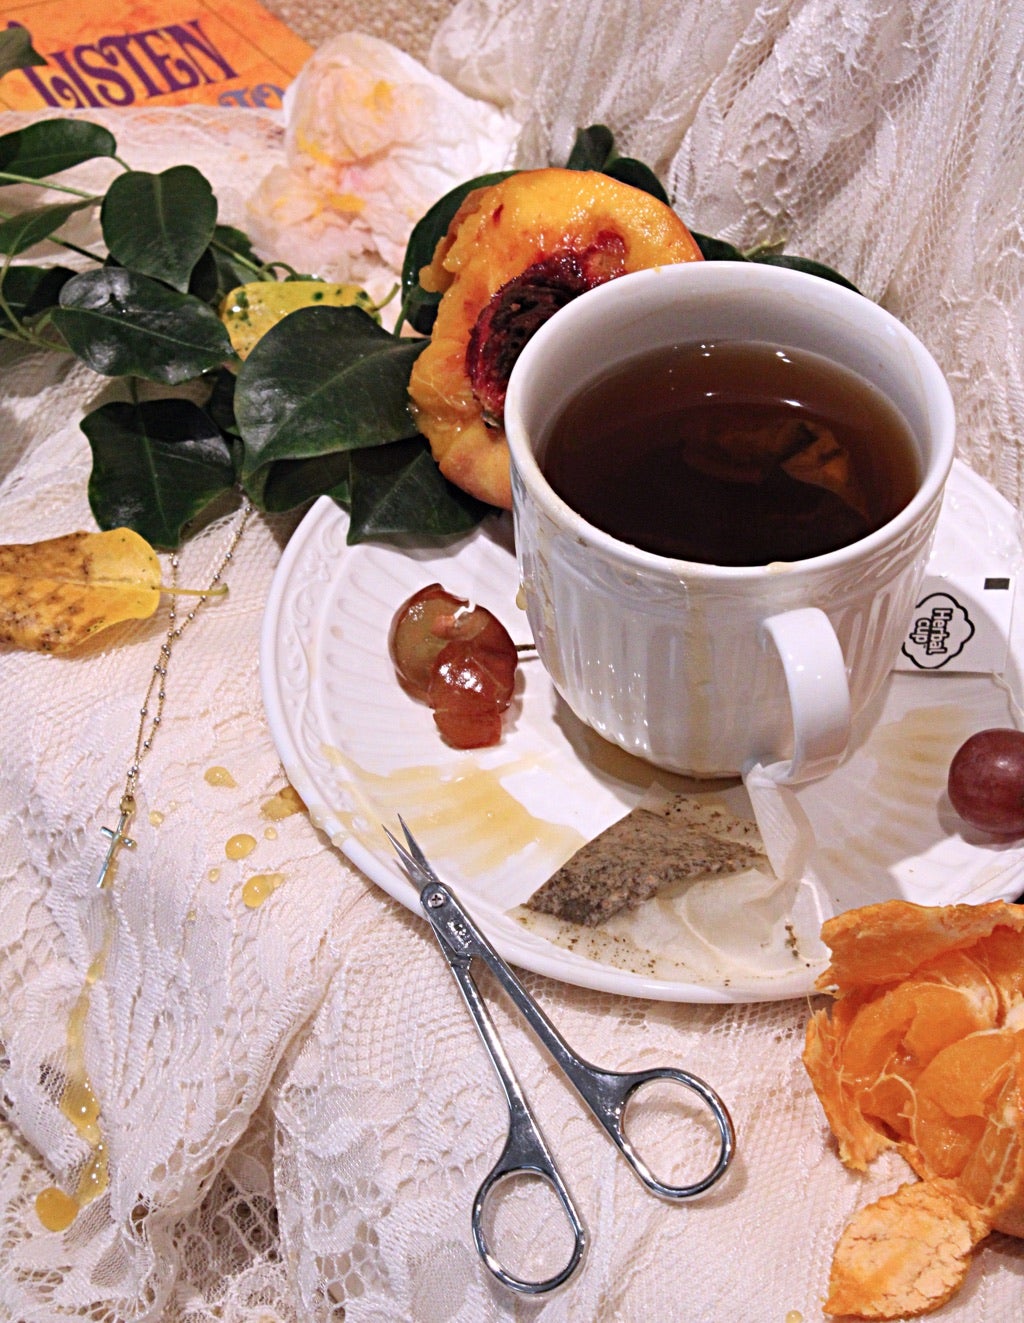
(413,860)
(457,934)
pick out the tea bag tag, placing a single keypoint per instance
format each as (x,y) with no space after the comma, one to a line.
(960,623)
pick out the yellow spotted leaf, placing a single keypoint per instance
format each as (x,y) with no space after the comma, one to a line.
(57,593)
(249,311)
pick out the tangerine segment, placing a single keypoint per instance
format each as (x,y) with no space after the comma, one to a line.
(859,1135)
(1000,958)
(994,1174)
(906,1254)
(866,1057)
(917,1019)
(514,254)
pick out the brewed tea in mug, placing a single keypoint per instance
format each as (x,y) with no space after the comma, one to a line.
(732,453)
(703,665)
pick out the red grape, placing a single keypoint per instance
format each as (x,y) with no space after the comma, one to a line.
(986,781)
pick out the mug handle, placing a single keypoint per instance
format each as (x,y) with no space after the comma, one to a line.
(819,693)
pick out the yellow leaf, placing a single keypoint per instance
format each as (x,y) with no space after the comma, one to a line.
(57,593)
(249,311)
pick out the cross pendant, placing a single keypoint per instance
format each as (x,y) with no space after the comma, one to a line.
(116,836)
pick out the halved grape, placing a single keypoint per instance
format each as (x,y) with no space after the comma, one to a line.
(464,712)
(425,624)
(457,658)
(986,781)
(472,685)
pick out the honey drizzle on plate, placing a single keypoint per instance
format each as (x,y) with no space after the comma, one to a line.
(469,814)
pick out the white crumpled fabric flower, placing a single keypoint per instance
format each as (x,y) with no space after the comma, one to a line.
(373,139)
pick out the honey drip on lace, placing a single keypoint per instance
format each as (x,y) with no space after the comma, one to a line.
(57,1208)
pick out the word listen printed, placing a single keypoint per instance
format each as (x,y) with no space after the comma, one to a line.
(125,69)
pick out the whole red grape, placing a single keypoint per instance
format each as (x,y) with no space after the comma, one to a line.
(986,781)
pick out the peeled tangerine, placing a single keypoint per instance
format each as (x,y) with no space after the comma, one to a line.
(515,253)
(923,1050)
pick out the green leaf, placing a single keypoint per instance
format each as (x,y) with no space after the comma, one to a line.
(322,380)
(637,175)
(234,260)
(17,233)
(17,51)
(204,282)
(399,489)
(228,262)
(159,225)
(594,149)
(419,308)
(717,250)
(29,290)
(812,268)
(46,148)
(122,324)
(292,482)
(236,244)
(156,466)
(221,402)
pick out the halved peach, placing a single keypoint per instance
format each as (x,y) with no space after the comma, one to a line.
(515,253)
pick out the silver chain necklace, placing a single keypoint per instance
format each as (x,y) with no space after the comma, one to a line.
(152,710)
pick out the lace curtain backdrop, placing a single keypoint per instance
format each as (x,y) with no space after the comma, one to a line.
(884,138)
(293,1104)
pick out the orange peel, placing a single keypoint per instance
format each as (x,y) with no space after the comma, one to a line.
(923,1051)
(911,1248)
(516,251)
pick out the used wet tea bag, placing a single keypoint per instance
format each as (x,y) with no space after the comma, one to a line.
(665,840)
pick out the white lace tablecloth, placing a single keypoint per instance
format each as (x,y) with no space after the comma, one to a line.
(294,1105)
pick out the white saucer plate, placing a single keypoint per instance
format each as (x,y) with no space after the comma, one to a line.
(497,822)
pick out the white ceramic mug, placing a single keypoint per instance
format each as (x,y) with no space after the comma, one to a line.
(705,669)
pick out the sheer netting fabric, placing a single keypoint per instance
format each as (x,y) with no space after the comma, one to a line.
(284,1106)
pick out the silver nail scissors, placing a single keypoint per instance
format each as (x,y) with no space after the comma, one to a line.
(605,1092)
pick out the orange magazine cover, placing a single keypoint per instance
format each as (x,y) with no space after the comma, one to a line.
(114,53)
